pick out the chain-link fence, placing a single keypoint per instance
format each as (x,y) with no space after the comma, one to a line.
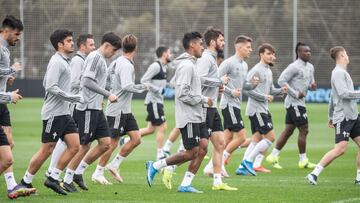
(319,23)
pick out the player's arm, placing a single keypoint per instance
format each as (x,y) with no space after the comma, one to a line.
(203,66)
(331,111)
(284,79)
(278,91)
(312,85)
(342,89)
(254,93)
(76,69)
(153,70)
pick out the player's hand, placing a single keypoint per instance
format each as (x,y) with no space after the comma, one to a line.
(10,80)
(17,66)
(236,92)
(313,86)
(221,89)
(330,124)
(210,102)
(270,98)
(15,96)
(255,80)
(112,98)
(285,89)
(301,95)
(225,79)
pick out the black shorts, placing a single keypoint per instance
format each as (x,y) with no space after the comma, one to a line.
(213,121)
(3,138)
(261,122)
(192,133)
(57,127)
(232,119)
(121,125)
(296,115)
(156,114)
(4,115)
(92,125)
(346,129)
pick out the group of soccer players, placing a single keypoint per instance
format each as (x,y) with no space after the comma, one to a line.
(73,115)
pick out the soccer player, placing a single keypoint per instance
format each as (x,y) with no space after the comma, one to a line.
(257,107)
(299,77)
(85,44)
(207,69)
(11,30)
(57,122)
(188,113)
(89,115)
(343,114)
(155,79)
(120,119)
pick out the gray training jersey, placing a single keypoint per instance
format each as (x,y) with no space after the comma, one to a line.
(123,86)
(343,96)
(155,85)
(298,76)
(57,88)
(188,98)
(5,69)
(95,68)
(257,105)
(77,68)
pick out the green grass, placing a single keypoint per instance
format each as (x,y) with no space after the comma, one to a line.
(288,185)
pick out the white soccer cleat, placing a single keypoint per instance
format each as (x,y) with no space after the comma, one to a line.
(115,173)
(209,170)
(100,179)
(224,173)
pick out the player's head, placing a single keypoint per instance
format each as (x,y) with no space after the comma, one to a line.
(220,57)
(62,40)
(243,46)
(11,29)
(339,55)
(214,38)
(110,43)
(193,43)
(163,53)
(130,43)
(85,43)
(303,51)
(267,54)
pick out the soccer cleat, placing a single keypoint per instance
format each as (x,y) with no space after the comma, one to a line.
(167,177)
(54,185)
(100,179)
(20,191)
(357,182)
(115,174)
(208,170)
(249,167)
(306,164)
(262,169)
(29,186)
(47,173)
(274,161)
(78,179)
(312,179)
(188,189)
(241,172)
(224,186)
(150,172)
(68,187)
(224,173)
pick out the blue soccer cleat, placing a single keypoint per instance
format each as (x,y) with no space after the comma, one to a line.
(241,172)
(189,189)
(150,172)
(249,167)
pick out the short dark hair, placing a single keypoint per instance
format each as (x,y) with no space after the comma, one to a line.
(58,36)
(242,39)
(334,52)
(297,48)
(83,38)
(12,23)
(188,37)
(265,46)
(112,39)
(211,33)
(129,43)
(161,50)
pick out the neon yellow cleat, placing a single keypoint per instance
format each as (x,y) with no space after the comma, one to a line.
(224,186)
(306,164)
(274,161)
(167,177)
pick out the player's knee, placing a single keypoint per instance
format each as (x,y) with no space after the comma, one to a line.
(340,151)
(304,131)
(105,146)
(75,149)
(136,141)
(7,162)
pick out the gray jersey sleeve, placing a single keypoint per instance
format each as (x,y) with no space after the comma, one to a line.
(5,97)
(183,82)
(285,77)
(93,86)
(253,93)
(153,70)
(275,91)
(331,108)
(76,67)
(127,83)
(52,84)
(342,90)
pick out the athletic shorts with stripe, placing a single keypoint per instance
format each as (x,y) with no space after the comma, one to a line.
(57,127)
(92,125)
(156,114)
(232,119)
(261,122)
(296,115)
(122,124)
(346,129)
(191,134)
(213,121)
